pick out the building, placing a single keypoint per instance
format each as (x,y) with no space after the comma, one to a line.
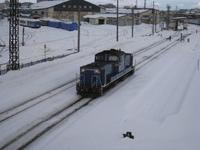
(125,17)
(2,6)
(97,19)
(67,9)
(43,0)
(178,23)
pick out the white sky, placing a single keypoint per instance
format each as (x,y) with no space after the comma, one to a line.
(162,3)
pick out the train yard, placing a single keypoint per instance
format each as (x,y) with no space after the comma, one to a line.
(33,117)
(41,126)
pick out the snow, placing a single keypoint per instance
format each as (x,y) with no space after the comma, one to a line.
(102,16)
(46,4)
(159,104)
(125,11)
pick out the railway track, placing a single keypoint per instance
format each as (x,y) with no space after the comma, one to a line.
(156,54)
(21,107)
(153,45)
(40,127)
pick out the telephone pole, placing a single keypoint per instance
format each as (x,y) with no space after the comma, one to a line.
(145,3)
(23,32)
(136,4)
(168,16)
(79,30)
(133,21)
(117,34)
(153,19)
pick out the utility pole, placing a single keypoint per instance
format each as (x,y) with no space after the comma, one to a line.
(168,16)
(145,3)
(23,32)
(136,4)
(14,36)
(155,21)
(153,18)
(117,34)
(133,21)
(79,24)
(176,10)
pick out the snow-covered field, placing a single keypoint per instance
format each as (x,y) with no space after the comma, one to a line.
(159,104)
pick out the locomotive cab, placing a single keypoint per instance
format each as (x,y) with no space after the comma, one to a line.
(90,80)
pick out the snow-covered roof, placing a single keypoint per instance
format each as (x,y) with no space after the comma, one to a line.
(103,16)
(179,18)
(29,19)
(46,4)
(25,15)
(125,11)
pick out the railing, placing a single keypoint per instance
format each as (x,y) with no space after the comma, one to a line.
(4,68)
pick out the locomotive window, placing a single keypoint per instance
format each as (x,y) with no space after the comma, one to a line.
(22,21)
(113,58)
(99,58)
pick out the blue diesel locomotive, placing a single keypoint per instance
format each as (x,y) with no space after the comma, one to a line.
(110,66)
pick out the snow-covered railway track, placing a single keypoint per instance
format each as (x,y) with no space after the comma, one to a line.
(13,111)
(40,127)
(19,108)
(153,45)
(156,54)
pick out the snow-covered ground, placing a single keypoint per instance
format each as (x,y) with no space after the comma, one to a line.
(59,41)
(159,104)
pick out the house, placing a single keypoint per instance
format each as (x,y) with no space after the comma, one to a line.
(67,9)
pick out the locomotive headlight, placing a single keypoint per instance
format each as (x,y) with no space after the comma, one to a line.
(82,70)
(96,71)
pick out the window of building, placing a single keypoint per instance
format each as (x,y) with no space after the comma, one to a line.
(74,6)
(64,6)
(69,6)
(90,7)
(85,6)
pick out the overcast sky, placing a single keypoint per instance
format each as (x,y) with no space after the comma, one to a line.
(162,3)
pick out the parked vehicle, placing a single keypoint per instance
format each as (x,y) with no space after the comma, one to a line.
(110,67)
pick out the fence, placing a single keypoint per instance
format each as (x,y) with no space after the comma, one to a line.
(4,68)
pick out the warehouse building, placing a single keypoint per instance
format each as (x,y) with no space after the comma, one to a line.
(178,23)
(67,9)
(125,17)
(106,19)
